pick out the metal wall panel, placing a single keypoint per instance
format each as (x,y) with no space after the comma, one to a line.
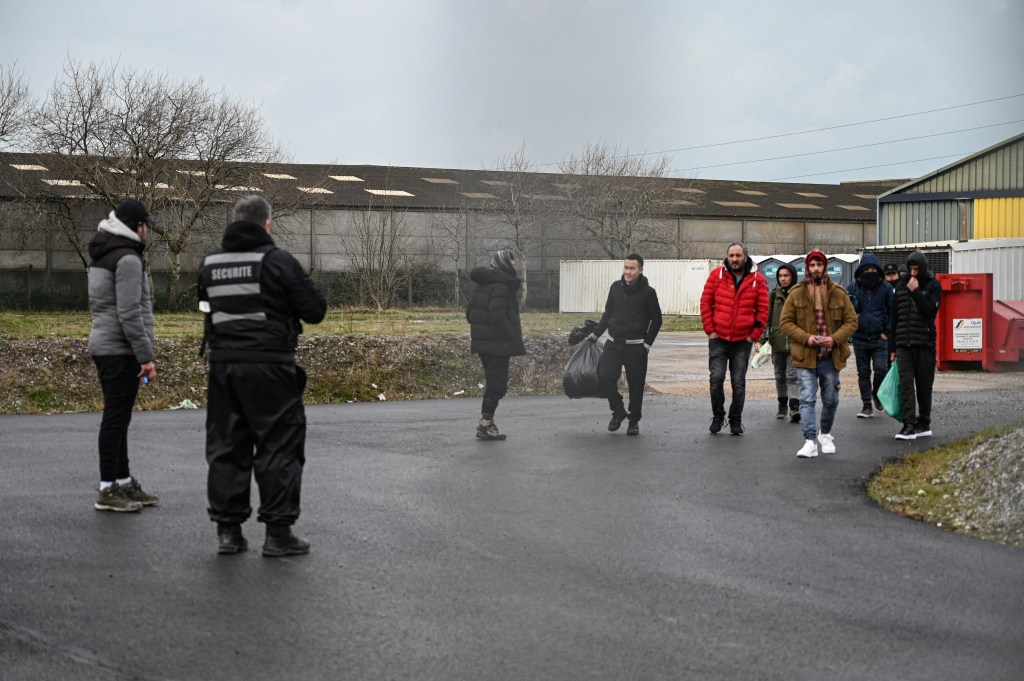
(998,218)
(1002,169)
(1003,258)
(584,284)
(925,221)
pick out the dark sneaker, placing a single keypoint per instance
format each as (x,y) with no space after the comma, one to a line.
(783,412)
(716,423)
(281,542)
(736,427)
(231,541)
(878,405)
(113,499)
(633,428)
(616,421)
(922,431)
(866,412)
(487,429)
(908,433)
(794,415)
(133,490)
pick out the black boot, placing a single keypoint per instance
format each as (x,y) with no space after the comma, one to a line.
(783,411)
(794,411)
(231,541)
(281,542)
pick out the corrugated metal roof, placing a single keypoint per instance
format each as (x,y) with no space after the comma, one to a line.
(454,189)
(952,166)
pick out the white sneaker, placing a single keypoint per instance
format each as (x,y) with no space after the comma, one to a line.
(810,449)
(828,444)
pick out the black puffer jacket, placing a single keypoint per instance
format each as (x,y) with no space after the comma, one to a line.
(493,314)
(913,313)
(286,294)
(631,312)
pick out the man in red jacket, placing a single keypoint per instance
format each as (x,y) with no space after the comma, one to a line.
(734,311)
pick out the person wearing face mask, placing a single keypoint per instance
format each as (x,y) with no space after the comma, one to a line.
(786,388)
(912,343)
(872,299)
(892,274)
(818,318)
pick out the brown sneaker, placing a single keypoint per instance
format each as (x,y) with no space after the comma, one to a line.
(114,499)
(488,430)
(133,490)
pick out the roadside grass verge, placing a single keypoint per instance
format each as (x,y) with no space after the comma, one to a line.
(941,487)
(344,321)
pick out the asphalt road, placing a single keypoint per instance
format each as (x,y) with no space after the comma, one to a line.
(565,552)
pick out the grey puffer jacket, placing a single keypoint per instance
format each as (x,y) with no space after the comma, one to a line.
(119,298)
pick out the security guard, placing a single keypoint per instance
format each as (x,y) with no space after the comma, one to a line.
(255,295)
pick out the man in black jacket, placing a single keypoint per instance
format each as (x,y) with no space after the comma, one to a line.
(255,295)
(632,317)
(496,332)
(912,344)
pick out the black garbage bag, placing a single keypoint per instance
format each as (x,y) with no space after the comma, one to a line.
(580,379)
(578,333)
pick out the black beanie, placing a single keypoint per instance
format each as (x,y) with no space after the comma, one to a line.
(131,212)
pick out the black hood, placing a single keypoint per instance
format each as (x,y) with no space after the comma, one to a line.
(918,258)
(792,272)
(490,275)
(104,243)
(641,282)
(867,260)
(245,236)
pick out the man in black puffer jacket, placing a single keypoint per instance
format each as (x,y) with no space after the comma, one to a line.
(632,318)
(496,332)
(255,295)
(912,344)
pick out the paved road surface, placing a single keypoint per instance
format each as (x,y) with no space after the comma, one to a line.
(565,552)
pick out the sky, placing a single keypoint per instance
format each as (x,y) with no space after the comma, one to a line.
(463,83)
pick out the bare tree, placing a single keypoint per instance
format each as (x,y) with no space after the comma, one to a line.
(614,194)
(182,149)
(522,208)
(15,105)
(451,237)
(378,250)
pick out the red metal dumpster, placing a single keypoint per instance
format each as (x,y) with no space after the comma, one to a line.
(973,328)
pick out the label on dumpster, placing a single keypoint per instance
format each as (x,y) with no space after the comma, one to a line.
(967,335)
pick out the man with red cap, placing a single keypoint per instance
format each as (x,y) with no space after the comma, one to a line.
(819,319)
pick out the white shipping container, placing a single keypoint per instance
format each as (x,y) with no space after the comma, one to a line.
(583,284)
(1004,258)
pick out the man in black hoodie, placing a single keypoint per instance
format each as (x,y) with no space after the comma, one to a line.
(632,317)
(912,344)
(255,295)
(495,331)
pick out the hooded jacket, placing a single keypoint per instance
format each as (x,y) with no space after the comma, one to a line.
(119,298)
(735,311)
(632,313)
(258,294)
(493,314)
(776,301)
(798,322)
(913,312)
(872,305)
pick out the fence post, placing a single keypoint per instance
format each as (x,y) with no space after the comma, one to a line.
(28,288)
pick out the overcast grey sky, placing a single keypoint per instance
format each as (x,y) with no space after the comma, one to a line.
(460,83)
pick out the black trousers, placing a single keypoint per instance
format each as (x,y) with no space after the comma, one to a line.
(917,374)
(634,358)
(735,355)
(495,382)
(119,380)
(255,424)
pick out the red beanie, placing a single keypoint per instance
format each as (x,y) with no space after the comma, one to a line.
(816,254)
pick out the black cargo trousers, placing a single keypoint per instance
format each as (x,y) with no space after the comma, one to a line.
(255,424)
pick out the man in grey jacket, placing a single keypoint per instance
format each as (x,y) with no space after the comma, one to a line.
(121,345)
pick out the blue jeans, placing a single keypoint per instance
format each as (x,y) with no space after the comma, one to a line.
(870,354)
(827,377)
(735,356)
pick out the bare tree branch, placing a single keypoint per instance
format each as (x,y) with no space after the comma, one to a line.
(15,105)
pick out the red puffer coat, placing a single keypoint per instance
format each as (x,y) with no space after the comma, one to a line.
(735,313)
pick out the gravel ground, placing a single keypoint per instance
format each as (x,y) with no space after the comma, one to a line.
(990,485)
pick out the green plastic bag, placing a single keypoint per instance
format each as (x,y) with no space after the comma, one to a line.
(889,393)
